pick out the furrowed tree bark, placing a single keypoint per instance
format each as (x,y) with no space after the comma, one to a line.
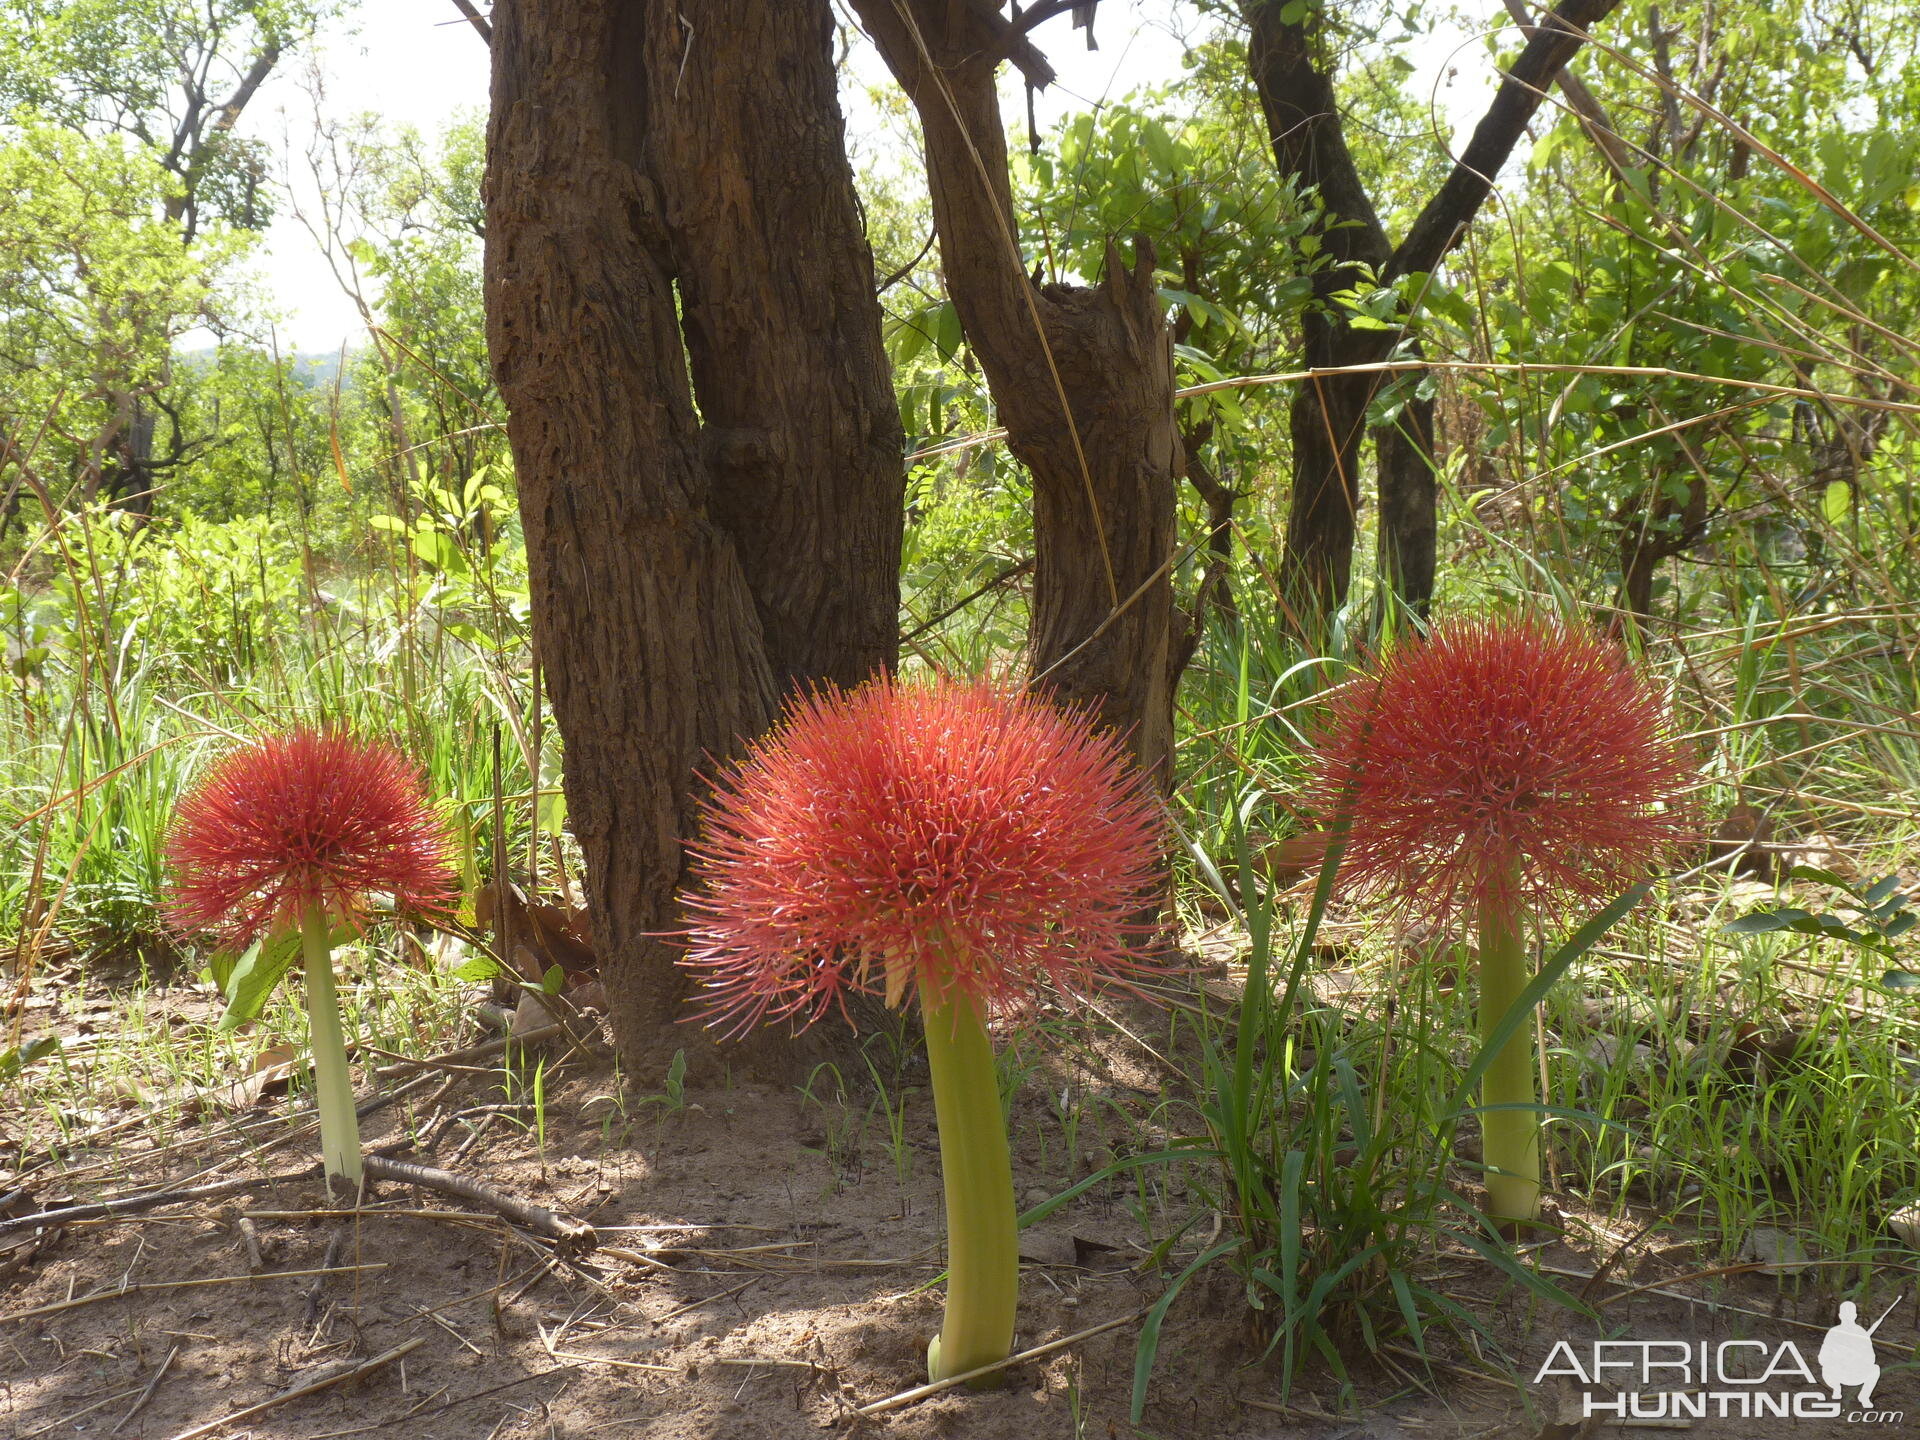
(1082,378)
(1293,75)
(681,317)
(1405,455)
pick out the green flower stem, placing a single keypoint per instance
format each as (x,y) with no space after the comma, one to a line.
(983,1254)
(1510,1139)
(332,1085)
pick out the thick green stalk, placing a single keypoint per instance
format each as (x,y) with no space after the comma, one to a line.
(1510,1139)
(983,1254)
(332,1085)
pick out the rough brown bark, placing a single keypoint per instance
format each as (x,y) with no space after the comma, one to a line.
(1655,527)
(1293,76)
(682,323)
(1082,378)
(1292,68)
(1404,451)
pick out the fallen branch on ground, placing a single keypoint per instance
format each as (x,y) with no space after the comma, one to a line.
(571,1236)
(151,1200)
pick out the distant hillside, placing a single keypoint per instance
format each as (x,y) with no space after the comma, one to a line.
(311,367)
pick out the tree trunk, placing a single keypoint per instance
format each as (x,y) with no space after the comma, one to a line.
(1293,76)
(1082,378)
(1406,454)
(1292,66)
(681,317)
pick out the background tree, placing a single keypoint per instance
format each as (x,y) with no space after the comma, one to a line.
(1081,375)
(682,320)
(1291,58)
(1237,246)
(1683,247)
(93,294)
(176,75)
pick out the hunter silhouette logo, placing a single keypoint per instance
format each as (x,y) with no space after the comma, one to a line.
(1846,1355)
(1679,1380)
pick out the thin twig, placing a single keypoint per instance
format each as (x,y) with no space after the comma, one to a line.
(147,1394)
(66,1420)
(479,22)
(558,1355)
(680,1310)
(921,1392)
(365,1367)
(152,1200)
(455,1058)
(148,1287)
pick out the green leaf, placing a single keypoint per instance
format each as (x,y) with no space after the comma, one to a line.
(947,334)
(1900,980)
(14,1060)
(220,968)
(439,550)
(478,968)
(1149,1347)
(1837,502)
(1762,922)
(256,976)
(1826,925)
(1821,877)
(1881,889)
(553,980)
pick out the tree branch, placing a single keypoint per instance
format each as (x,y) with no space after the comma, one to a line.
(1554,42)
(1295,84)
(1584,104)
(228,114)
(475,19)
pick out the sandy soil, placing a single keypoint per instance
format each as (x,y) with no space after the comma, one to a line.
(762,1274)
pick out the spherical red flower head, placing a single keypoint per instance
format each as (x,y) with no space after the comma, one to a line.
(314,817)
(1512,760)
(959,838)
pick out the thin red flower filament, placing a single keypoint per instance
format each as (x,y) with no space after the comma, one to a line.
(291,823)
(948,837)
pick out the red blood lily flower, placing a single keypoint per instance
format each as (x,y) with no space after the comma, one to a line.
(292,834)
(312,819)
(1513,769)
(1517,762)
(949,838)
(963,843)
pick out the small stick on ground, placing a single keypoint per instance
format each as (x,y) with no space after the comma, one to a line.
(365,1367)
(921,1392)
(680,1310)
(152,1200)
(148,1287)
(65,1420)
(570,1236)
(243,1227)
(336,1247)
(147,1394)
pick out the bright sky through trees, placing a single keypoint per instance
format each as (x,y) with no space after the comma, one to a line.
(416,62)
